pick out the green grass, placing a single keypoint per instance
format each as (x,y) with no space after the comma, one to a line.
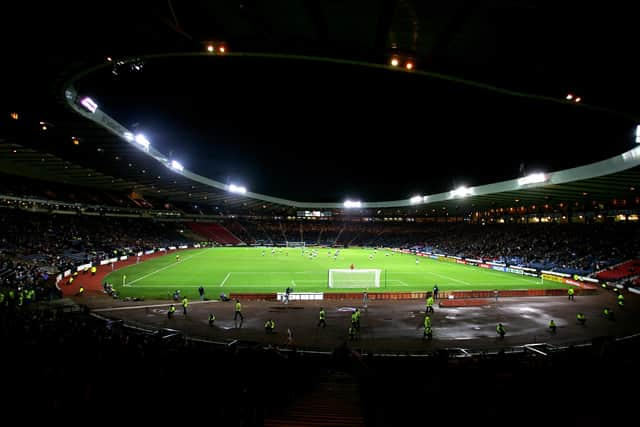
(246,270)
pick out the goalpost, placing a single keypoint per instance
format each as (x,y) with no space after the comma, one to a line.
(295,244)
(356,278)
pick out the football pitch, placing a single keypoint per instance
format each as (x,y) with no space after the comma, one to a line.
(258,270)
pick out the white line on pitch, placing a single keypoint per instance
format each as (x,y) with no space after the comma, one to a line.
(225,279)
(449,278)
(279,272)
(163,268)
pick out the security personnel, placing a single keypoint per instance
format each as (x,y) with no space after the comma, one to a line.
(269,326)
(428,332)
(500,330)
(94,269)
(429,304)
(238,312)
(212,319)
(80,291)
(172,309)
(620,300)
(322,318)
(581,318)
(552,326)
(355,319)
(427,321)
(185,304)
(353,333)
(570,292)
(607,313)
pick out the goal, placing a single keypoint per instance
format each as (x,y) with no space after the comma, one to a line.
(295,244)
(356,278)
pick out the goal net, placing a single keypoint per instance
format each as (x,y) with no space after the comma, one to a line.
(295,244)
(356,278)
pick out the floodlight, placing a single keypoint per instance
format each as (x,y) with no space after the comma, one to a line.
(237,189)
(128,136)
(143,141)
(89,104)
(461,192)
(416,199)
(638,134)
(352,204)
(176,165)
(533,178)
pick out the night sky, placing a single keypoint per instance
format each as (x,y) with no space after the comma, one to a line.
(314,131)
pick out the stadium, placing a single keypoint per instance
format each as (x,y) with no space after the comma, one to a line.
(293,211)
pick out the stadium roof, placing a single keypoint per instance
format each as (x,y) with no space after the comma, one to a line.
(462,48)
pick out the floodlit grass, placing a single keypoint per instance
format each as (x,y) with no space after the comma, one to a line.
(246,270)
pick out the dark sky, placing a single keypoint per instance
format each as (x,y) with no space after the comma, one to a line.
(314,131)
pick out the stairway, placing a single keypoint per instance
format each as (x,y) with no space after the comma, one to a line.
(334,402)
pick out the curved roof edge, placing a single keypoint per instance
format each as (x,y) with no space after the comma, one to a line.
(621,162)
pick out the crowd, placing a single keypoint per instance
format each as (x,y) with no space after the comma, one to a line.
(572,248)
(36,247)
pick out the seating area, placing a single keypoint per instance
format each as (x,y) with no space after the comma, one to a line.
(214,232)
(568,248)
(36,247)
(90,360)
(621,271)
